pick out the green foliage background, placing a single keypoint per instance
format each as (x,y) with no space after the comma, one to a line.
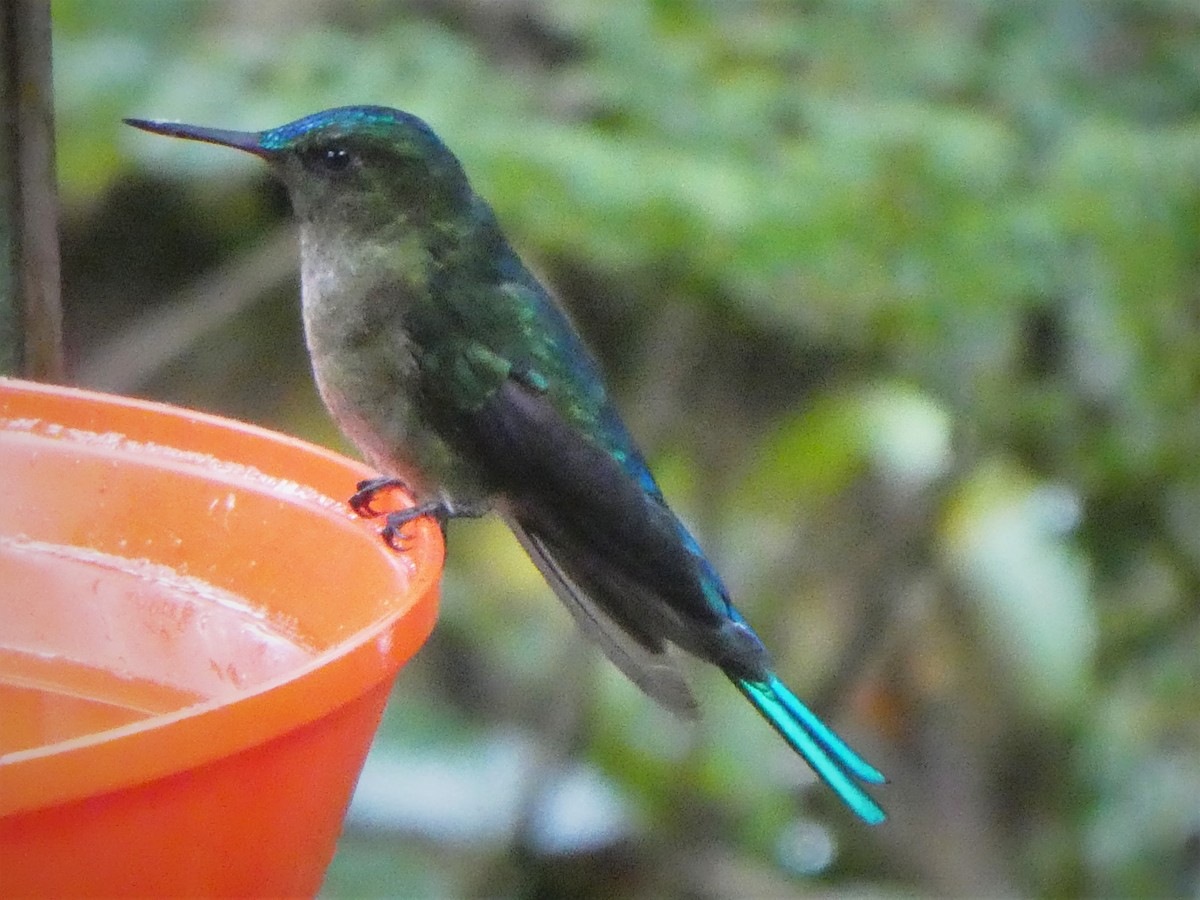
(902,300)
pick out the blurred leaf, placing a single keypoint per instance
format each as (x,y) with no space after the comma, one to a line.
(1008,539)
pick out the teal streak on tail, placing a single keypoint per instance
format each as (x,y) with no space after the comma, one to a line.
(830,756)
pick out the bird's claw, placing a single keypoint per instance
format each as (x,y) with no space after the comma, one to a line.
(367,490)
(440,510)
(393,531)
(362,501)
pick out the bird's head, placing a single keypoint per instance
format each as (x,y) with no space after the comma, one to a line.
(359,167)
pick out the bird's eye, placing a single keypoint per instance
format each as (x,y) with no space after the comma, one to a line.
(331,160)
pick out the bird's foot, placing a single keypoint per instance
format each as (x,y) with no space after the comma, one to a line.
(440,510)
(366,492)
(393,531)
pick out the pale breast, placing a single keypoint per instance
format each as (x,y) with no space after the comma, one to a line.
(367,373)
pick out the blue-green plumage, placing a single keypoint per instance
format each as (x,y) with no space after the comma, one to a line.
(452,368)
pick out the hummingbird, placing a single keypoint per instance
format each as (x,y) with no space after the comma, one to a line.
(458,375)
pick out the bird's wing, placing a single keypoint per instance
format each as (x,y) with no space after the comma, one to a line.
(606,543)
(512,388)
(577,496)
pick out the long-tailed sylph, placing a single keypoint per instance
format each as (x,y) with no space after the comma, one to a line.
(454,370)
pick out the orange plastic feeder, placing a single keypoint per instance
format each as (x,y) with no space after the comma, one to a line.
(197,639)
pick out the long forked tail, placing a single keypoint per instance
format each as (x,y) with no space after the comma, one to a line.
(830,757)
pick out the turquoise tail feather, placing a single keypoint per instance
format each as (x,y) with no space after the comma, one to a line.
(830,757)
